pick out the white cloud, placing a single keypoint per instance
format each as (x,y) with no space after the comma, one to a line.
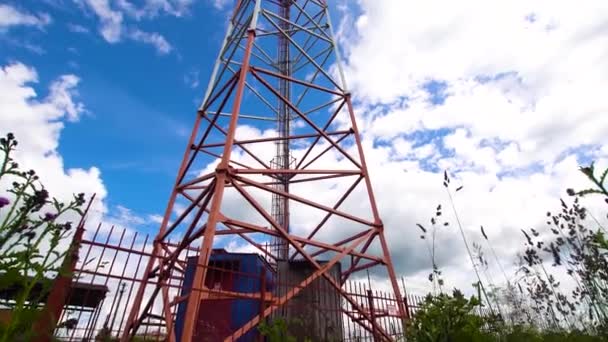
(130,9)
(500,70)
(37,123)
(61,94)
(440,40)
(158,219)
(127,217)
(155,39)
(114,28)
(522,105)
(10,16)
(233,246)
(153,8)
(111,21)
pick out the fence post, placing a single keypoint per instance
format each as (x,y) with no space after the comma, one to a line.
(57,297)
(370,299)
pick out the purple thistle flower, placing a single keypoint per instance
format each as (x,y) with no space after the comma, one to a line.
(49,216)
(4,201)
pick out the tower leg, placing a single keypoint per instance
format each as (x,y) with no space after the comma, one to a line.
(194,298)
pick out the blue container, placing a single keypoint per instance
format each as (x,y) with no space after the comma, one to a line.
(218,318)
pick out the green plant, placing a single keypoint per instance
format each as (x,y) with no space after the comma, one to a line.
(447,317)
(575,245)
(32,228)
(435,276)
(570,243)
(587,248)
(535,303)
(277,330)
(447,186)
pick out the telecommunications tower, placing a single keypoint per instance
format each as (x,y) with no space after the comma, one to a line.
(274,159)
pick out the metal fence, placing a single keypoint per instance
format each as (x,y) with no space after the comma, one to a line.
(110,268)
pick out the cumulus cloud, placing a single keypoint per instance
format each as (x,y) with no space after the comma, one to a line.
(500,70)
(10,16)
(520,107)
(37,122)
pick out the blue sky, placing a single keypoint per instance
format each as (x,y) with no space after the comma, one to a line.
(484,96)
(140,102)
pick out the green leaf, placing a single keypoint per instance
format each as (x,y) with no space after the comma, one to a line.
(10,278)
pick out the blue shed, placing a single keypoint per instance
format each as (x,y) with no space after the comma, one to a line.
(219,318)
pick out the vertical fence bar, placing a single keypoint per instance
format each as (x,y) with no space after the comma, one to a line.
(109,272)
(77,276)
(141,255)
(360,302)
(381,303)
(122,283)
(87,292)
(346,317)
(96,314)
(372,312)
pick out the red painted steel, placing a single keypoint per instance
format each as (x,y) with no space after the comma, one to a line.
(219,166)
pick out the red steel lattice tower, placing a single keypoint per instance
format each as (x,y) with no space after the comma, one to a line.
(275,155)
